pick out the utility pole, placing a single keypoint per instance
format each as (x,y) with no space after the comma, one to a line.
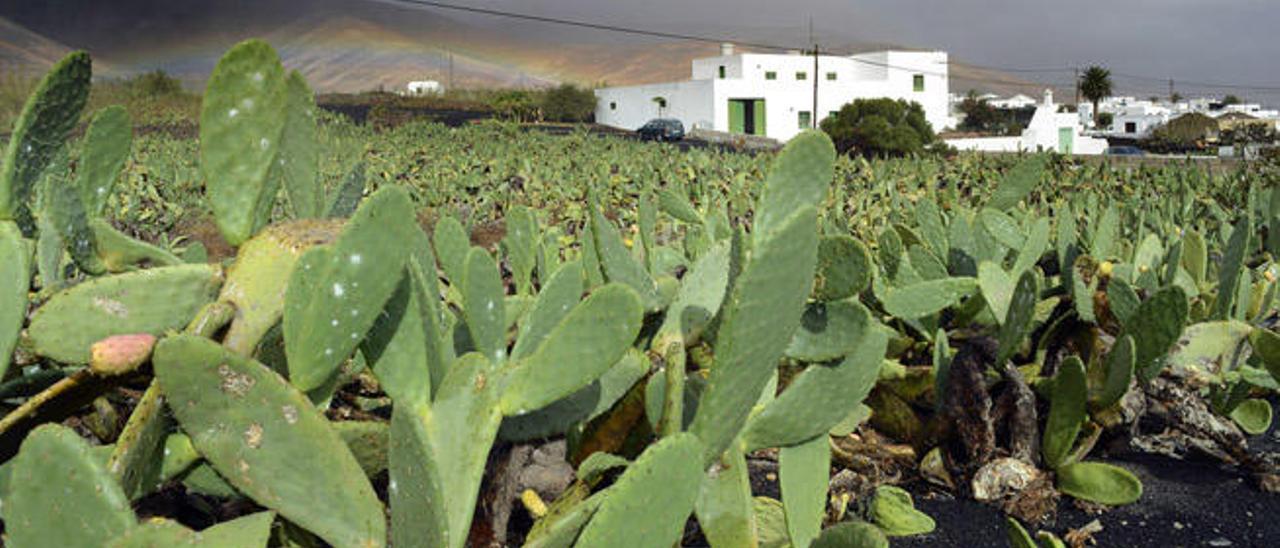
(1171,93)
(813,117)
(1077,70)
(450,52)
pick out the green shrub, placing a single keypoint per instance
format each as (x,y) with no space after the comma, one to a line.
(879,127)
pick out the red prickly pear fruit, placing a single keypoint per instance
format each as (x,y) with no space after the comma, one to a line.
(121,354)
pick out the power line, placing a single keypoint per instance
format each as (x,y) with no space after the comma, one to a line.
(584,24)
(774,47)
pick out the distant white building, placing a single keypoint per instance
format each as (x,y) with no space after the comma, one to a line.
(424,87)
(1049,130)
(773,94)
(1016,102)
(1133,118)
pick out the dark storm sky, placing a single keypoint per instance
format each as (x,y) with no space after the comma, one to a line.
(1210,41)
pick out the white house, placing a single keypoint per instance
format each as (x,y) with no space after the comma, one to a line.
(773,94)
(424,87)
(1048,130)
(1016,102)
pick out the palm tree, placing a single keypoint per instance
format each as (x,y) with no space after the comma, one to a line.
(1095,85)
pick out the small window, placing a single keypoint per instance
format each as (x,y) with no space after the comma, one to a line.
(1130,127)
(722,72)
(613,105)
(917,82)
(771,75)
(662,103)
(802,75)
(806,119)
(831,76)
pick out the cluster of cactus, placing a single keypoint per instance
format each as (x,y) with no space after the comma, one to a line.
(662,385)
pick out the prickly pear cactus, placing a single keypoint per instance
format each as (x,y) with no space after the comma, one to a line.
(48,116)
(648,505)
(268,440)
(146,301)
(336,291)
(242,120)
(37,510)
(15,281)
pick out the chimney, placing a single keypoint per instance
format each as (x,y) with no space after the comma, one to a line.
(726,49)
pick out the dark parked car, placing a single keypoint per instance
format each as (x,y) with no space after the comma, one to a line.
(662,129)
(1124,151)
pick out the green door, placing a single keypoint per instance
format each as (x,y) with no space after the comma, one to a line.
(737,116)
(758,110)
(1066,140)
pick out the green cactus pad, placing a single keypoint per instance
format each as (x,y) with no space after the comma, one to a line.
(799,177)
(761,315)
(15,281)
(585,344)
(253,530)
(1266,344)
(1119,374)
(298,159)
(107,143)
(396,347)
(844,268)
(585,404)
(120,253)
(242,119)
(452,244)
(1156,326)
(822,395)
(51,111)
(1018,183)
(1195,256)
(1002,228)
(268,440)
(520,246)
(1206,347)
(1035,245)
(925,298)
(1233,264)
(1099,482)
(724,506)
(698,300)
(484,305)
(997,288)
(344,202)
(803,473)
(648,505)
(678,206)
(1018,536)
(368,442)
(1102,245)
(37,511)
(146,301)
(138,458)
(851,534)
(1066,412)
(1253,415)
(1020,317)
(617,263)
(565,519)
(555,300)
(65,211)
(828,331)
(1122,299)
(257,282)
(894,512)
(336,292)
(438,456)
(426,280)
(930,224)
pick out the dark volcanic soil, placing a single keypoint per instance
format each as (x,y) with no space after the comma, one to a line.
(1184,503)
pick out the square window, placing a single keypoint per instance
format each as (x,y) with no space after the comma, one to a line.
(805,119)
(917,82)
(613,106)
(771,75)
(722,72)
(831,76)
(802,75)
(1130,127)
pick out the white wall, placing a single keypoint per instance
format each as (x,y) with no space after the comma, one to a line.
(1042,133)
(634,105)
(704,101)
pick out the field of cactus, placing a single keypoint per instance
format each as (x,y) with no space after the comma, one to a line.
(378,334)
